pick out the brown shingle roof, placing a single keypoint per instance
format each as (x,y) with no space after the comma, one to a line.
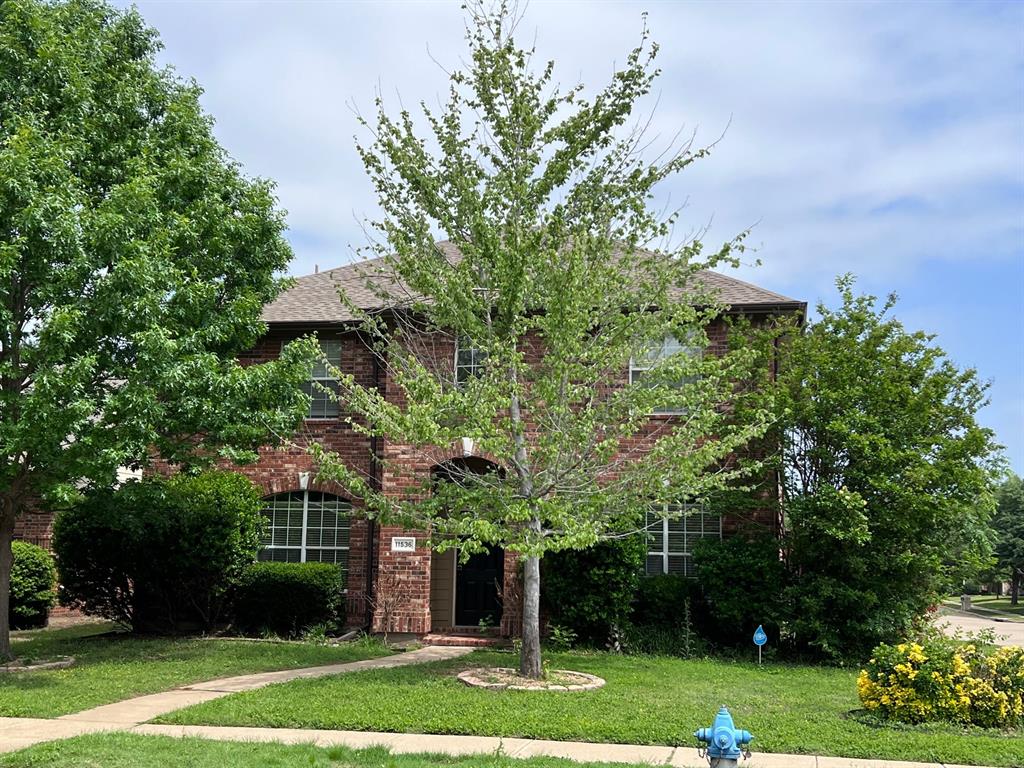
(313,299)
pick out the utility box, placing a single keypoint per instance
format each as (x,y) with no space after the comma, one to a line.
(965,602)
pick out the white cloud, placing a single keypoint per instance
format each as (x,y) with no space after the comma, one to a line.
(867,137)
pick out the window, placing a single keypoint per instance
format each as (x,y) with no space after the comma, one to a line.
(649,357)
(321,404)
(670,540)
(306,526)
(469,361)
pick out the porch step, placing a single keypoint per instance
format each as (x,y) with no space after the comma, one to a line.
(474,640)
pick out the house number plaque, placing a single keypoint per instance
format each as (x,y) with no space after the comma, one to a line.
(403,543)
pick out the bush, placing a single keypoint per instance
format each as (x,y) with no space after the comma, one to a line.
(679,638)
(33,585)
(667,618)
(589,591)
(942,680)
(289,598)
(742,579)
(661,601)
(160,554)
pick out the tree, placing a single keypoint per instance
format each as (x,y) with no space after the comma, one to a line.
(1008,523)
(134,260)
(544,194)
(886,470)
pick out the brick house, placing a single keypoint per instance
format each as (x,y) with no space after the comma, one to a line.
(439,593)
(307,521)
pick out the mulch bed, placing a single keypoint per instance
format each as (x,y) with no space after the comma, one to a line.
(506,679)
(20,665)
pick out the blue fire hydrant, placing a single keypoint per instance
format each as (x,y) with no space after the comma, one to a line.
(725,743)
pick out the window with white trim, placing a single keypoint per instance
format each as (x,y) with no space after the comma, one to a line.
(323,405)
(306,526)
(670,540)
(469,361)
(650,356)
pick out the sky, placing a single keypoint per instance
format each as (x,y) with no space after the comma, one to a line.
(882,139)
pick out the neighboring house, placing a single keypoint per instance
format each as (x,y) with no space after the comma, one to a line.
(310,522)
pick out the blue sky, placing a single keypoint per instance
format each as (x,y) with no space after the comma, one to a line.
(882,139)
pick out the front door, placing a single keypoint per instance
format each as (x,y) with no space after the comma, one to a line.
(478,586)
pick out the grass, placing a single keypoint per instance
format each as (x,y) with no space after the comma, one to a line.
(788,708)
(998,604)
(111,666)
(124,750)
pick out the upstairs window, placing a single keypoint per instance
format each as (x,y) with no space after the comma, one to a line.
(670,540)
(650,356)
(469,361)
(306,526)
(323,405)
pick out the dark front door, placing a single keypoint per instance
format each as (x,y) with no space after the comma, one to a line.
(478,585)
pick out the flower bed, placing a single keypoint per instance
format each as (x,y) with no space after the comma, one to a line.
(968,684)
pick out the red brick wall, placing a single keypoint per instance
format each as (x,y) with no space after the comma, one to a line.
(404,470)
(278,467)
(35,526)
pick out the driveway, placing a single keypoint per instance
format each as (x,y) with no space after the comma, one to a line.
(1007,632)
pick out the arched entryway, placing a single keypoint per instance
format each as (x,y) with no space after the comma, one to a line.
(470,593)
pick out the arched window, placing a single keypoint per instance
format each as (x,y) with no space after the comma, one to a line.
(306,526)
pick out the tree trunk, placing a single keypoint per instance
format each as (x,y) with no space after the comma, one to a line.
(529,657)
(1015,588)
(6,561)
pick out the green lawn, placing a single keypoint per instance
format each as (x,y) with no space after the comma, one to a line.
(134,751)
(114,666)
(788,708)
(998,604)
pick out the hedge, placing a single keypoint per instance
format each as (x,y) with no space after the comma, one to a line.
(287,599)
(159,555)
(590,591)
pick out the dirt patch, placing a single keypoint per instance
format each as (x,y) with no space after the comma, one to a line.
(506,679)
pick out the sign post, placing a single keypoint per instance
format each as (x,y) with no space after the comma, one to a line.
(760,638)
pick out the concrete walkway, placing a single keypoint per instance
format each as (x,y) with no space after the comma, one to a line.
(579,751)
(19,732)
(131,716)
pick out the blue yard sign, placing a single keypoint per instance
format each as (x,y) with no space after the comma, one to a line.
(760,638)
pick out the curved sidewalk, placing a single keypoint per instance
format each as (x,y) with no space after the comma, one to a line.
(1008,631)
(21,732)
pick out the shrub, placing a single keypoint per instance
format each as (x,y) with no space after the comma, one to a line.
(159,554)
(287,599)
(560,638)
(667,618)
(33,585)
(678,638)
(589,591)
(742,579)
(661,601)
(941,680)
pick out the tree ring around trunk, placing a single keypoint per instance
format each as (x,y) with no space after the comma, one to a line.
(507,679)
(18,665)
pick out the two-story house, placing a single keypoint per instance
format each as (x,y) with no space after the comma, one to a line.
(309,522)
